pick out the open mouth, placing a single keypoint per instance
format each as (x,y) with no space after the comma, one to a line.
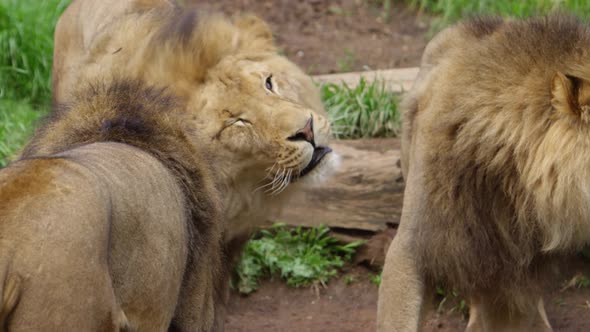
(318,154)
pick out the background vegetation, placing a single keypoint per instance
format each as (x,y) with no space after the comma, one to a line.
(26,48)
(367,110)
(299,256)
(450,11)
(26,51)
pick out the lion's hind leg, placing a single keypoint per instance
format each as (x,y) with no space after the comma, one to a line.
(9,294)
(486,316)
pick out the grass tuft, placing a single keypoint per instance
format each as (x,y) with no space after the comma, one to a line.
(452,299)
(367,110)
(450,11)
(578,281)
(26,48)
(17,120)
(375,279)
(299,256)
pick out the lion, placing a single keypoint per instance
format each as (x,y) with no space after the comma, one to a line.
(230,75)
(185,136)
(111,220)
(495,148)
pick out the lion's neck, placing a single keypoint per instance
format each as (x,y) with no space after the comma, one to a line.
(247,206)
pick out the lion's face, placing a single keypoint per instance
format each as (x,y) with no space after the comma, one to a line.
(264,117)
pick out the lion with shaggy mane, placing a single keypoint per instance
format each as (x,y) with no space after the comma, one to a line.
(179,133)
(256,111)
(496,155)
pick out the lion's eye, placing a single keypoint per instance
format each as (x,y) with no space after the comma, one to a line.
(269,83)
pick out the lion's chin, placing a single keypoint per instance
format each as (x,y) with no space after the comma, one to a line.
(318,155)
(322,169)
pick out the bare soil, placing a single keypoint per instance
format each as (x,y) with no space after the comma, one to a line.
(352,306)
(328,36)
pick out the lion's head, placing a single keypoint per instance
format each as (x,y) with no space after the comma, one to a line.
(257,120)
(258,115)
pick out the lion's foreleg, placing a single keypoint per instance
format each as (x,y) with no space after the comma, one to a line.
(401,294)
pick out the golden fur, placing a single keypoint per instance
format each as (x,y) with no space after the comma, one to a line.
(178,133)
(496,148)
(219,68)
(111,220)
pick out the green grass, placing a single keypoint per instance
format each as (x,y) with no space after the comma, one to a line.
(452,299)
(579,280)
(349,280)
(450,11)
(375,279)
(17,119)
(346,63)
(583,282)
(299,256)
(367,110)
(26,52)
(26,48)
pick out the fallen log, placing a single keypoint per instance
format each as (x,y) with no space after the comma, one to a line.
(364,194)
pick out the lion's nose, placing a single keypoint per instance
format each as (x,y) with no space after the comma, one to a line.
(305,134)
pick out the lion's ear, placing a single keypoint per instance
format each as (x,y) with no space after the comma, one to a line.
(570,94)
(255,34)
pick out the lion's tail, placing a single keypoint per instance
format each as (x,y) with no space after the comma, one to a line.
(9,292)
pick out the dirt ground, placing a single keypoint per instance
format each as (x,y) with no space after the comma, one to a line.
(327,36)
(352,306)
(338,35)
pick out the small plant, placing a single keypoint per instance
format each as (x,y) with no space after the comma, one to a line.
(349,279)
(368,110)
(375,278)
(583,282)
(346,63)
(560,301)
(299,256)
(578,281)
(384,7)
(457,303)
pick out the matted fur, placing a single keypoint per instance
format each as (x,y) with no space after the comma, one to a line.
(217,67)
(496,150)
(154,215)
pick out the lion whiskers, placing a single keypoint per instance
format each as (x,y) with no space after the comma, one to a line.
(282,183)
(279,181)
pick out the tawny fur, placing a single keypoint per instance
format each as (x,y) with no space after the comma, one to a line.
(112,220)
(169,115)
(218,67)
(496,148)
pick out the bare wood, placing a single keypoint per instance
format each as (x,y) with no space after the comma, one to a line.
(396,80)
(366,193)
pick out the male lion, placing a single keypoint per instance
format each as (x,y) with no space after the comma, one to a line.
(496,156)
(261,118)
(111,220)
(145,168)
